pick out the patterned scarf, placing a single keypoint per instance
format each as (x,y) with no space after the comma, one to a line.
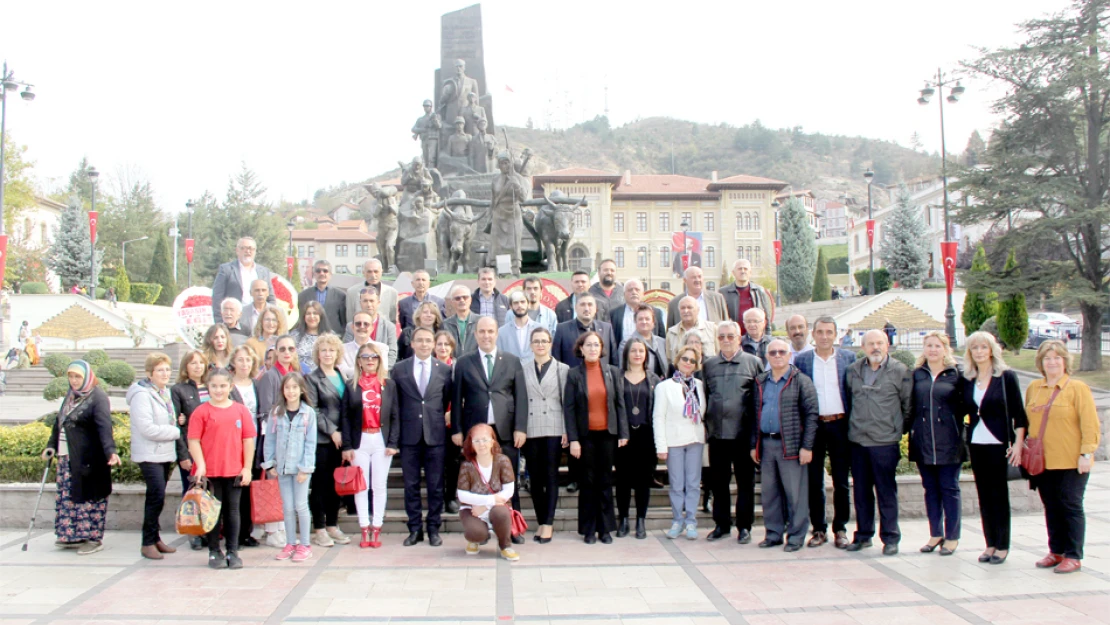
(692,408)
(76,396)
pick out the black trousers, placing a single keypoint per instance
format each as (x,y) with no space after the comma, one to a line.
(323,502)
(988,463)
(452,455)
(155,474)
(513,454)
(832,441)
(636,464)
(543,454)
(595,486)
(227,490)
(728,457)
(414,459)
(1062,495)
(873,478)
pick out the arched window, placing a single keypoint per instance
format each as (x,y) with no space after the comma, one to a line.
(749,252)
(755,221)
(27,229)
(710,256)
(589,219)
(739,220)
(747,221)
(578,220)
(758,256)
(740,252)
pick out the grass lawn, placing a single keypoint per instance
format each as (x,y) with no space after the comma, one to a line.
(835,251)
(1097,379)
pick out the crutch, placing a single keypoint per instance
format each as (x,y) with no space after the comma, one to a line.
(42,486)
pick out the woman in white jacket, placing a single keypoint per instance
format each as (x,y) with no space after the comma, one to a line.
(678,421)
(154,433)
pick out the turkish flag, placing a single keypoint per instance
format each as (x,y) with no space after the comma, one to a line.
(92,226)
(189,243)
(3,256)
(289,260)
(778,252)
(870,233)
(949,250)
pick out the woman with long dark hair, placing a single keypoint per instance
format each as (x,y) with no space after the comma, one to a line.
(312,324)
(217,346)
(545,379)
(635,462)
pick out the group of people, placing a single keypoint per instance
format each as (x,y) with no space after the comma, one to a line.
(461,389)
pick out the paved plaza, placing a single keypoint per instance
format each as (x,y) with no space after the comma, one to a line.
(654,581)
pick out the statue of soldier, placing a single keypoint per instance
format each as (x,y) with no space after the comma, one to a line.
(453,94)
(427,129)
(416,178)
(386,217)
(472,113)
(457,143)
(482,149)
(507,222)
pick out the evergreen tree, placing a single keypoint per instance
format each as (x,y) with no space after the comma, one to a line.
(822,290)
(976,147)
(70,254)
(126,213)
(244,212)
(161,272)
(1013,318)
(799,253)
(980,304)
(903,243)
(123,284)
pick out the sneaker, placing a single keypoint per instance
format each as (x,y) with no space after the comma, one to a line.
(303,553)
(321,538)
(691,532)
(675,531)
(277,541)
(61,544)
(90,547)
(286,553)
(471,549)
(338,536)
(510,554)
(217,560)
(233,561)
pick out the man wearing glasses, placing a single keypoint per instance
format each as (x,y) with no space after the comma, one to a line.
(372,272)
(333,299)
(234,278)
(729,420)
(461,324)
(381,330)
(361,329)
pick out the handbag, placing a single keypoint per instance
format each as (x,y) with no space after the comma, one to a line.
(1012,473)
(1032,457)
(266,500)
(519,524)
(348,480)
(199,510)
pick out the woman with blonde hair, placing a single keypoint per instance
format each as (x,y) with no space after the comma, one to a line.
(1061,410)
(217,346)
(426,315)
(997,433)
(271,324)
(936,436)
(678,423)
(329,393)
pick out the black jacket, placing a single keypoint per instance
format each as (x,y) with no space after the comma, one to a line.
(797,412)
(936,421)
(90,444)
(186,398)
(473,394)
(422,417)
(576,403)
(730,395)
(564,310)
(350,421)
(652,381)
(335,305)
(1002,409)
(329,406)
(567,333)
(500,305)
(616,319)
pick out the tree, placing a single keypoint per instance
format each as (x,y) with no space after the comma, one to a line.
(24,265)
(915,142)
(244,212)
(903,244)
(822,291)
(1049,164)
(123,284)
(799,252)
(19,189)
(128,211)
(161,271)
(69,256)
(1013,319)
(976,147)
(979,304)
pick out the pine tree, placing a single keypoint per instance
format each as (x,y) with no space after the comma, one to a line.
(903,244)
(1013,319)
(822,290)
(123,284)
(799,253)
(69,256)
(217,227)
(160,271)
(980,304)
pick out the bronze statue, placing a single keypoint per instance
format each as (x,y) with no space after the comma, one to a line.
(472,113)
(507,223)
(453,95)
(526,164)
(456,231)
(555,227)
(457,143)
(385,214)
(482,149)
(427,129)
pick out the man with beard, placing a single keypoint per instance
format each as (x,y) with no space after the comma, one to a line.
(567,333)
(580,285)
(623,317)
(798,331)
(607,292)
(544,316)
(743,294)
(515,337)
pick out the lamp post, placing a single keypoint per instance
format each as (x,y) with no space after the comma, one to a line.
(777,243)
(173,235)
(685,225)
(291,225)
(7,83)
(948,250)
(123,250)
(189,241)
(92,175)
(869,176)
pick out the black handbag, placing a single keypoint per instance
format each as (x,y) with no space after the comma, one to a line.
(1012,473)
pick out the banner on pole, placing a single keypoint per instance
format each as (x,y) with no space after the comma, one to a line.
(778,252)
(189,243)
(949,250)
(92,226)
(870,233)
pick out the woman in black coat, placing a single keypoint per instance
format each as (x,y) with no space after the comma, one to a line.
(328,393)
(995,436)
(936,432)
(593,407)
(82,440)
(636,461)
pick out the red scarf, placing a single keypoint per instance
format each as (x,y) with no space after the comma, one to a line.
(281,369)
(371,401)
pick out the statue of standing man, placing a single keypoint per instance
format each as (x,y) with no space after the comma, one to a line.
(427,129)
(507,220)
(453,95)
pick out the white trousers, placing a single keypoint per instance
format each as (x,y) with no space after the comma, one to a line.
(370,457)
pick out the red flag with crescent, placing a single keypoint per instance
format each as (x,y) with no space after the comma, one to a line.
(870,233)
(92,226)
(778,252)
(189,243)
(289,260)
(949,250)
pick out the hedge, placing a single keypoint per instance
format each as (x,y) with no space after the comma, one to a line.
(116,373)
(56,364)
(95,357)
(55,389)
(21,451)
(903,356)
(145,293)
(34,288)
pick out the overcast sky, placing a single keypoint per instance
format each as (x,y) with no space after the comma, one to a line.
(312,94)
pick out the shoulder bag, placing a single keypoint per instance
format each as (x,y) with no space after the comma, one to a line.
(1032,457)
(348,480)
(199,510)
(266,500)
(519,524)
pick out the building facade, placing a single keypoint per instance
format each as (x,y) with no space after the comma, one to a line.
(346,245)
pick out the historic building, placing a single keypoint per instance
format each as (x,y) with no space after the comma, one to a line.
(346,245)
(637,220)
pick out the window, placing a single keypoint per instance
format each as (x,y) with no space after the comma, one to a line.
(758,256)
(688,218)
(618,222)
(747,221)
(578,220)
(712,286)
(664,256)
(740,252)
(739,221)
(27,229)
(589,218)
(342,269)
(312,251)
(856,239)
(340,250)
(641,257)
(710,256)
(748,252)
(664,222)
(707,220)
(618,256)
(641,222)
(300,251)
(42,233)
(362,251)
(666,286)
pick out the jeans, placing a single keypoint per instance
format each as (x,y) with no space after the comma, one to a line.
(1061,492)
(370,457)
(227,490)
(832,440)
(873,478)
(323,502)
(155,474)
(988,463)
(942,498)
(684,471)
(294,498)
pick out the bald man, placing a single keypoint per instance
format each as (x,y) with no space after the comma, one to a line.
(372,273)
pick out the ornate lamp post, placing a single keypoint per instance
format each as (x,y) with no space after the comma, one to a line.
(778,256)
(868,176)
(7,83)
(686,260)
(92,175)
(123,250)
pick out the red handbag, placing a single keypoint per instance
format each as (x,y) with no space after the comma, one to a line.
(1032,456)
(519,524)
(266,500)
(349,480)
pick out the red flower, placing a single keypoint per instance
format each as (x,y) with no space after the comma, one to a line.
(280,292)
(196,301)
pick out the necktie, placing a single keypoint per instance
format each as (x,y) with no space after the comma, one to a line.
(489,366)
(422,379)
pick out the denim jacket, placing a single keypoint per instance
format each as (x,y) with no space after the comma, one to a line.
(290,446)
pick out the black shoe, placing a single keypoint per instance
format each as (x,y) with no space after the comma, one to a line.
(572,487)
(434,539)
(791,548)
(452,507)
(985,557)
(413,538)
(233,561)
(249,541)
(890,550)
(641,528)
(745,537)
(217,560)
(543,541)
(195,543)
(517,539)
(997,559)
(622,528)
(590,539)
(767,543)
(718,533)
(607,538)
(857,545)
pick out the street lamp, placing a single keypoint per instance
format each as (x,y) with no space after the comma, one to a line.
(189,240)
(291,225)
(778,270)
(7,83)
(685,225)
(869,176)
(92,175)
(955,91)
(123,250)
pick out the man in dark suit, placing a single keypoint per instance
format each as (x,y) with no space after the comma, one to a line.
(333,299)
(623,317)
(489,387)
(424,390)
(407,306)
(234,278)
(580,285)
(711,306)
(566,334)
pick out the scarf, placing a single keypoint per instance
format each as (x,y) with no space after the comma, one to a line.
(163,395)
(692,408)
(76,396)
(281,369)
(371,387)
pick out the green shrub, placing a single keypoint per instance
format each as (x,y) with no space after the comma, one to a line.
(96,357)
(24,469)
(145,293)
(931,285)
(882,280)
(34,288)
(123,284)
(56,364)
(21,449)
(116,373)
(838,265)
(55,389)
(28,439)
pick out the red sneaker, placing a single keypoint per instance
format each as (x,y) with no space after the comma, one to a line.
(1049,561)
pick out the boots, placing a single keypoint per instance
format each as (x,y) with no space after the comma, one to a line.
(164,548)
(622,528)
(641,528)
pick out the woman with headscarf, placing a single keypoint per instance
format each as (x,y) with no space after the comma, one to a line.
(82,440)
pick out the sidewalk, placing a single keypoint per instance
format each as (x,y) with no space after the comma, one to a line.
(654,581)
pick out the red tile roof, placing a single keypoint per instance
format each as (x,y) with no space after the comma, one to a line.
(744,181)
(579,171)
(662,184)
(352,224)
(341,236)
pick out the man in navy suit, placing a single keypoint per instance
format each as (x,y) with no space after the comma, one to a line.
(827,365)
(424,391)
(567,333)
(333,299)
(623,317)
(234,279)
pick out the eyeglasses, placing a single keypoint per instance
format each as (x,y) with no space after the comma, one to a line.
(688,359)
(540,341)
(459,298)
(286,349)
(481,441)
(726,337)
(777,352)
(369,357)
(321,270)
(362,324)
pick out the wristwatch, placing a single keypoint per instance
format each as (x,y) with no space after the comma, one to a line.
(1087,456)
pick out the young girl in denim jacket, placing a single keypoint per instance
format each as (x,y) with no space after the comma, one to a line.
(289,453)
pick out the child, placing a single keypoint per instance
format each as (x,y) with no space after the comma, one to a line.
(221,441)
(289,452)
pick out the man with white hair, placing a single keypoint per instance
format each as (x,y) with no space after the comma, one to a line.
(711,306)
(234,278)
(372,272)
(689,321)
(755,338)
(623,317)
(743,294)
(231,311)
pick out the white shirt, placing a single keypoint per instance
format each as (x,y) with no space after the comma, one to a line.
(807,348)
(247,275)
(482,356)
(703,311)
(826,379)
(522,336)
(628,324)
